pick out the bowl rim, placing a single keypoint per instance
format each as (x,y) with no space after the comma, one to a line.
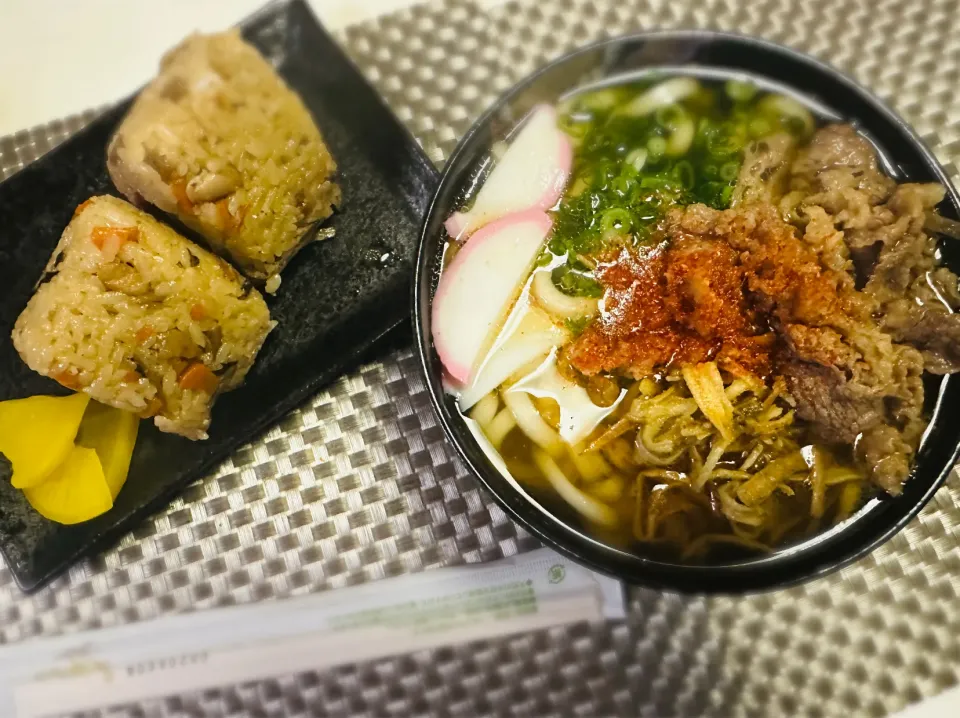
(756,575)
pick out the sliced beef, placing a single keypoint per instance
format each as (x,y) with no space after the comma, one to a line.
(839,409)
(945,285)
(784,276)
(885,451)
(820,345)
(915,297)
(883,422)
(836,147)
(858,387)
(897,263)
(829,243)
(933,330)
(863,224)
(764,172)
(869,378)
(845,373)
(904,251)
(838,171)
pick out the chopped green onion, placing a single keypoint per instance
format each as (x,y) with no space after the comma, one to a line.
(605,172)
(759,127)
(681,136)
(636,158)
(794,125)
(715,194)
(729,171)
(599,99)
(665,183)
(684,173)
(618,219)
(722,145)
(656,146)
(621,185)
(643,149)
(739,91)
(577,187)
(573,126)
(576,325)
(792,114)
(669,116)
(576,282)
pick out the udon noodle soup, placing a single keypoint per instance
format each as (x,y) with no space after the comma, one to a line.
(684,311)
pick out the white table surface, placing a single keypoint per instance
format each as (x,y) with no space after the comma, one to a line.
(60,57)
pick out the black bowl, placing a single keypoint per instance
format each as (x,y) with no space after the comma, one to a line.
(830,95)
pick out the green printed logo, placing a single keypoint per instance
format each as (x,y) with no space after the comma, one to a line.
(556,573)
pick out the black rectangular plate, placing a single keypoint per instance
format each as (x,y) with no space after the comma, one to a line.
(337,299)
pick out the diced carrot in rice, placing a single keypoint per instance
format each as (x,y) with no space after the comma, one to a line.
(67,378)
(179,188)
(198,377)
(82,206)
(110,240)
(154,407)
(102,236)
(224,218)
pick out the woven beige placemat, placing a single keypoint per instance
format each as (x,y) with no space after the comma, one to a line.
(359,483)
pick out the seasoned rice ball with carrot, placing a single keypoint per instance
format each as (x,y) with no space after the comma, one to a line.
(139,318)
(220,141)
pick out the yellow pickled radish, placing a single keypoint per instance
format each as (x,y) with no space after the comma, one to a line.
(77,491)
(112,433)
(37,433)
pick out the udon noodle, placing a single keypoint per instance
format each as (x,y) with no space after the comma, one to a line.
(658,471)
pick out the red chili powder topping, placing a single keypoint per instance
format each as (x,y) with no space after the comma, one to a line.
(672,305)
(714,289)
